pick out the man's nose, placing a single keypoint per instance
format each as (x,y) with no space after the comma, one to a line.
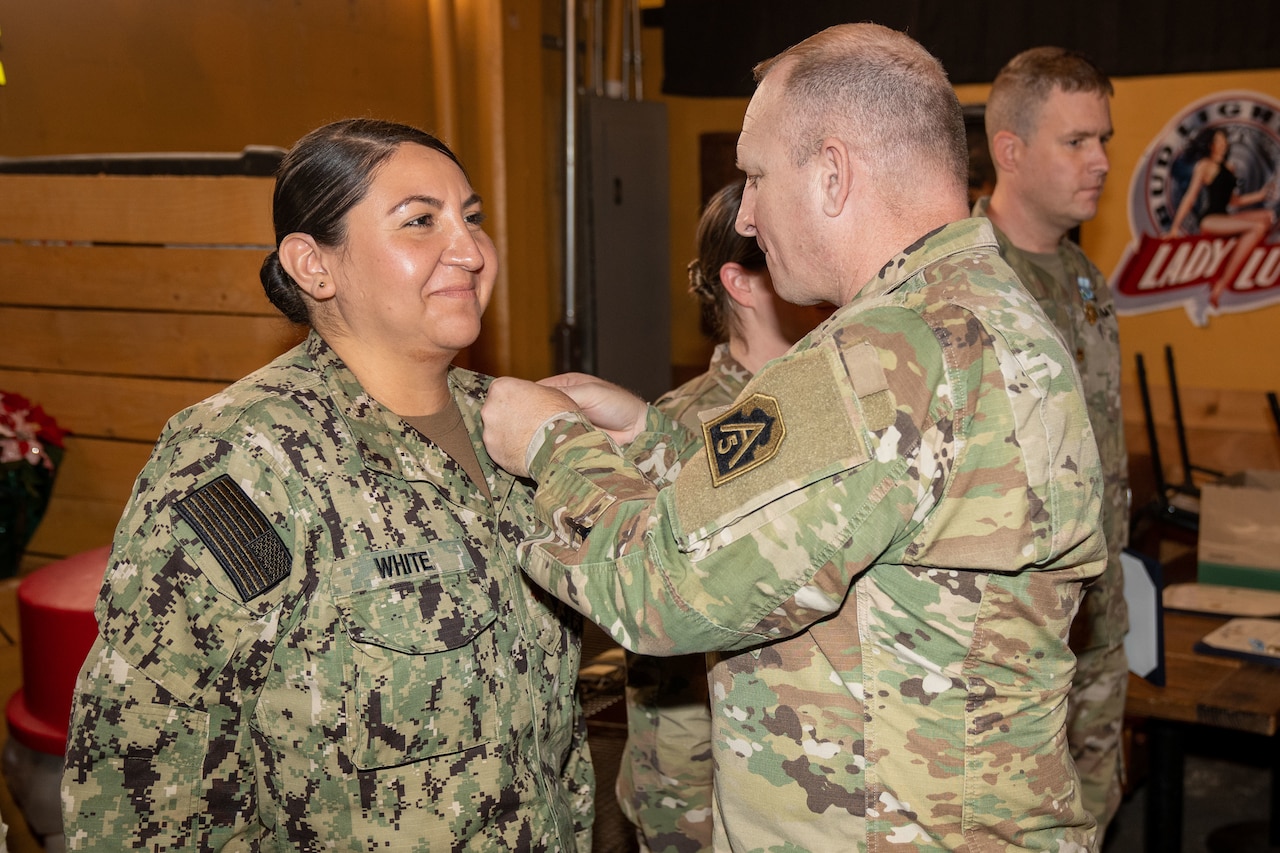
(745,223)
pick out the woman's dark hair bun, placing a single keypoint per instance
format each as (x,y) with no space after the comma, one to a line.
(282,290)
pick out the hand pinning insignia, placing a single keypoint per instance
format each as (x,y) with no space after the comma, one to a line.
(743,438)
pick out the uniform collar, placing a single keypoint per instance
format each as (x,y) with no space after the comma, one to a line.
(722,361)
(980,208)
(388,444)
(964,235)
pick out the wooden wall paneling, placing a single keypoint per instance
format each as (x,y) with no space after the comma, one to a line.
(162,209)
(127,299)
(119,407)
(72,525)
(482,145)
(1206,407)
(1227,430)
(444,68)
(94,483)
(1218,449)
(180,346)
(505,135)
(121,76)
(104,469)
(222,280)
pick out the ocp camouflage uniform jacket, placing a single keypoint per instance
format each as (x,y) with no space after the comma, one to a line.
(313,637)
(1081,306)
(1083,310)
(664,778)
(908,505)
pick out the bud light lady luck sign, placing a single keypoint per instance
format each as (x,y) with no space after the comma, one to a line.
(1203,212)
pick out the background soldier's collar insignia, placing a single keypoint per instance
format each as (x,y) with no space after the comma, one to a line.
(744,437)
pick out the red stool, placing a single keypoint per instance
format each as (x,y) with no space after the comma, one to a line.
(55,616)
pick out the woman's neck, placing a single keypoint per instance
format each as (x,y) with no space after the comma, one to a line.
(403,385)
(754,347)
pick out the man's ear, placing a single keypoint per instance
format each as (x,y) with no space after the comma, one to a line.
(738,284)
(835,175)
(1006,150)
(304,262)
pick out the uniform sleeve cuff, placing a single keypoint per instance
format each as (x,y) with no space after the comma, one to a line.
(553,431)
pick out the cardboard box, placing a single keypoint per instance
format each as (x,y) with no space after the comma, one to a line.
(1240,531)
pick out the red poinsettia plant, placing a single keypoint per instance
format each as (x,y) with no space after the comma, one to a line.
(31,448)
(27,432)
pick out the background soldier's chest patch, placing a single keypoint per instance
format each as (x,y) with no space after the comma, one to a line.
(743,438)
(238,535)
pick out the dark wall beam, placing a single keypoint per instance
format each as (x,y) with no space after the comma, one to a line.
(710,46)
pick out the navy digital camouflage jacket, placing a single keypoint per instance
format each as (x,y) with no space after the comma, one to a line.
(314,637)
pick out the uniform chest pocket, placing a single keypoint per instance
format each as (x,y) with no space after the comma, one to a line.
(422,670)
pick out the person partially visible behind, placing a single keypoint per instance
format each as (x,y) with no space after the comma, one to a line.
(664,781)
(1048,123)
(738,308)
(312,633)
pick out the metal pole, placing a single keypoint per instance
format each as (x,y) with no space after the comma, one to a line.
(637,54)
(624,11)
(597,46)
(1188,485)
(567,330)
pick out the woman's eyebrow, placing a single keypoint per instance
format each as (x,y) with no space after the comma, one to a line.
(428,200)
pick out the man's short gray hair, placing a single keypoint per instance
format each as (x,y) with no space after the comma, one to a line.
(882,93)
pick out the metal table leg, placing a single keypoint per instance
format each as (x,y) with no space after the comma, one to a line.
(1163,830)
(1273,817)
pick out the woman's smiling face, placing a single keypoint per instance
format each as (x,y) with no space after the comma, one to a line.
(416,268)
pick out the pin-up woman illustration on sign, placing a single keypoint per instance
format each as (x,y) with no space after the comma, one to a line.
(1203,208)
(1214,194)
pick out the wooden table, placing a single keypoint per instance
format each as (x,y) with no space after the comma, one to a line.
(1199,690)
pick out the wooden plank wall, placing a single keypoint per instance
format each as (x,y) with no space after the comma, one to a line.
(124,299)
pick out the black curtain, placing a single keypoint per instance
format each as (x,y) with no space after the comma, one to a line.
(710,46)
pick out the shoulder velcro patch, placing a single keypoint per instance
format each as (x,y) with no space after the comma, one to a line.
(238,534)
(752,459)
(744,437)
(871,386)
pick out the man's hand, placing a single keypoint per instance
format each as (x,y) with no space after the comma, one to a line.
(512,413)
(609,407)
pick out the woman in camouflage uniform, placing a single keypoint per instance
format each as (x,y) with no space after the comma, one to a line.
(312,634)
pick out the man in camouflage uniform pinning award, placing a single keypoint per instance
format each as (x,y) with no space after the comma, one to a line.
(1048,123)
(887,534)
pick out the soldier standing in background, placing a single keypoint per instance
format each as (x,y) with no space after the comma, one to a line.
(1048,123)
(886,535)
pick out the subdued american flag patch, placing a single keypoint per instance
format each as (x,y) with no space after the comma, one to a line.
(238,534)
